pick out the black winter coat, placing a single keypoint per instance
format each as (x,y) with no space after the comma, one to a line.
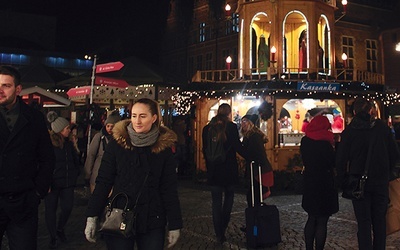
(226,173)
(124,168)
(66,169)
(26,153)
(353,149)
(255,151)
(320,197)
(26,162)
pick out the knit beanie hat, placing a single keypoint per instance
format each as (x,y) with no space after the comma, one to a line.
(253,118)
(57,123)
(113,118)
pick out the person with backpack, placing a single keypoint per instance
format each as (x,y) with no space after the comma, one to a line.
(97,147)
(220,144)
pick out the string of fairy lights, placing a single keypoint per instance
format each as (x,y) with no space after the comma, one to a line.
(185,99)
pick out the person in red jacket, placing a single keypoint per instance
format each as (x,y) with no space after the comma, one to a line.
(338,122)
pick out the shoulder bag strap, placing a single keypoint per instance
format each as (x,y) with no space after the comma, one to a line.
(367,163)
(140,191)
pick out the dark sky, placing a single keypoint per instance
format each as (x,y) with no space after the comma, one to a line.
(112,29)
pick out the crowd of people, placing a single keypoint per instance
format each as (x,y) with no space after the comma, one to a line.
(136,156)
(40,160)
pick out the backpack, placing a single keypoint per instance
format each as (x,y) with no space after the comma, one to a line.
(214,152)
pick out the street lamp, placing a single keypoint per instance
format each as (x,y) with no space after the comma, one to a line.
(228,10)
(398,47)
(344,58)
(273,52)
(228,62)
(218,20)
(344,3)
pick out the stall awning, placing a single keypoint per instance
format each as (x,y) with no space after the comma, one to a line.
(43,97)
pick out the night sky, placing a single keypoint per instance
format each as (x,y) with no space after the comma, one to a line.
(112,29)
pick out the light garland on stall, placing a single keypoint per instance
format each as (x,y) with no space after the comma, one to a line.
(183,101)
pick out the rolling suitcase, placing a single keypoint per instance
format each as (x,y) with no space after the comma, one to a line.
(262,221)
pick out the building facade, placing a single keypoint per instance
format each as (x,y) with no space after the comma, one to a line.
(294,54)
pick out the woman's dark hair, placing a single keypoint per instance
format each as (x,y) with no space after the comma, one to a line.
(218,123)
(154,108)
(11,71)
(224,110)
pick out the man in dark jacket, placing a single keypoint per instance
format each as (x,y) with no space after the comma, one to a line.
(26,163)
(364,130)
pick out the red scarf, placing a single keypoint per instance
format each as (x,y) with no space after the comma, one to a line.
(319,129)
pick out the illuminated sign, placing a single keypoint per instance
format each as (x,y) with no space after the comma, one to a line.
(316,86)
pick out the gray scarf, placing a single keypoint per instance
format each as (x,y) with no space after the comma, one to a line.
(143,139)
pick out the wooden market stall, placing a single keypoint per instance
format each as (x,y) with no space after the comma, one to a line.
(288,105)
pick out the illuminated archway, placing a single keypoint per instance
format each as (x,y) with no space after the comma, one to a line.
(324,57)
(260,32)
(294,113)
(295,38)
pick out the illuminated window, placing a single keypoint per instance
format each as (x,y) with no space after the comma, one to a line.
(16,59)
(235,23)
(372,51)
(348,48)
(232,25)
(202,32)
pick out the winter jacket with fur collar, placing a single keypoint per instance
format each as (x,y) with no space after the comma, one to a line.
(124,169)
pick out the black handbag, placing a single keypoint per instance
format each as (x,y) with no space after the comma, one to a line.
(120,222)
(353,185)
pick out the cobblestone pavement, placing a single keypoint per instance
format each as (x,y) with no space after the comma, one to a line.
(198,228)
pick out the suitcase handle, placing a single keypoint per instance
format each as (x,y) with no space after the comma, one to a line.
(252,183)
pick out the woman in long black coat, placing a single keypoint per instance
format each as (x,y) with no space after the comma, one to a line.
(320,198)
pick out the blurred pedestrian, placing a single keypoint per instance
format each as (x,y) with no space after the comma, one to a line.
(306,121)
(73,137)
(97,147)
(140,155)
(179,127)
(237,119)
(338,121)
(320,198)
(222,176)
(366,131)
(64,179)
(26,163)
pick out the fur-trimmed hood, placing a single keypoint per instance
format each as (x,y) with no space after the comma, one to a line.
(167,138)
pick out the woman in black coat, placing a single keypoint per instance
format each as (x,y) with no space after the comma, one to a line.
(64,179)
(320,198)
(253,143)
(140,155)
(223,174)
